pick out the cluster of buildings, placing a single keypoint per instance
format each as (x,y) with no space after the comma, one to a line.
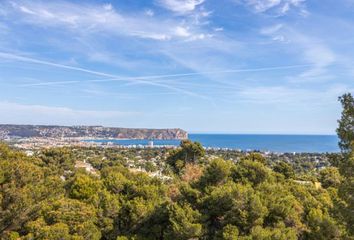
(39,143)
(45,142)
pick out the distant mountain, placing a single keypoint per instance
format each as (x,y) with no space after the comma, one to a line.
(28,131)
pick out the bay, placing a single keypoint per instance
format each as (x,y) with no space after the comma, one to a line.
(261,142)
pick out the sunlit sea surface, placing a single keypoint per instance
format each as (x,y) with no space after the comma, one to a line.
(273,143)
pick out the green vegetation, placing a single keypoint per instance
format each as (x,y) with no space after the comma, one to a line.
(345,129)
(203,196)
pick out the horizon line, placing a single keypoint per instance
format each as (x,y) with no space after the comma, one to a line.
(164,128)
(270,133)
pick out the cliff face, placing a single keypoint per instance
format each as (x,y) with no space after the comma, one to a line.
(27,131)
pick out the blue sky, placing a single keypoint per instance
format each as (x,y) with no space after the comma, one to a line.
(230,66)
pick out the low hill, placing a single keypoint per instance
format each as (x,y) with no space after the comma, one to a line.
(29,131)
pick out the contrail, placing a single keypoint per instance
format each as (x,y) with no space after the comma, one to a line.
(139,79)
(58,82)
(32,60)
(203,73)
(47,83)
(150,77)
(112,77)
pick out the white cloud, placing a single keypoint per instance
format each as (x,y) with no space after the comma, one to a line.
(108,7)
(291,96)
(280,7)
(180,6)
(149,12)
(17,113)
(26,10)
(263,5)
(311,50)
(291,3)
(182,32)
(314,52)
(274,32)
(322,57)
(271,29)
(84,19)
(144,80)
(151,35)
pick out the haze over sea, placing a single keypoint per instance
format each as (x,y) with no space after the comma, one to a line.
(269,142)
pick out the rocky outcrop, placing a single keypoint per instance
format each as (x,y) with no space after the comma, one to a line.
(29,131)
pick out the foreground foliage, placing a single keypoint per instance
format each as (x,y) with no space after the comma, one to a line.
(42,199)
(45,197)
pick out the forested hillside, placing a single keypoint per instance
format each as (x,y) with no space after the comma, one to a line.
(45,196)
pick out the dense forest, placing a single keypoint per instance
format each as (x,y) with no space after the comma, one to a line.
(45,196)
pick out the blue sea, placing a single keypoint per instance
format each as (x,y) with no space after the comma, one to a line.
(248,142)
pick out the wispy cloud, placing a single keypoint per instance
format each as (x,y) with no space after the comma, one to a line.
(271,29)
(180,6)
(322,58)
(88,27)
(314,51)
(274,32)
(289,96)
(24,114)
(144,54)
(310,49)
(113,78)
(137,79)
(84,18)
(94,19)
(14,57)
(279,7)
(149,12)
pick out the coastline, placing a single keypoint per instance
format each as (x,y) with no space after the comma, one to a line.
(262,143)
(235,142)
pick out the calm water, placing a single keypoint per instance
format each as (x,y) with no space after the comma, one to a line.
(274,143)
